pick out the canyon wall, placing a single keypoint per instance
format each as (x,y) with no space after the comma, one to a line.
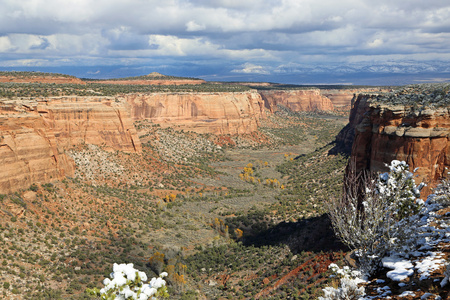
(385,131)
(36,134)
(342,98)
(296,100)
(29,153)
(90,120)
(217,113)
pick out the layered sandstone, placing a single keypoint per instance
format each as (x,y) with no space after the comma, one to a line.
(296,100)
(35,136)
(342,98)
(217,113)
(90,120)
(387,131)
(29,153)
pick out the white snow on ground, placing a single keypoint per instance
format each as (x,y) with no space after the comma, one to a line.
(432,230)
(402,268)
(429,264)
(428,295)
(407,293)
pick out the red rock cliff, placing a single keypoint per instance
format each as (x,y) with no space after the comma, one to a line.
(384,132)
(218,113)
(91,120)
(29,153)
(35,135)
(296,100)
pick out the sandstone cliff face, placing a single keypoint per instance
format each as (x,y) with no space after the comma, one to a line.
(29,153)
(218,113)
(384,132)
(35,135)
(90,120)
(296,100)
(342,98)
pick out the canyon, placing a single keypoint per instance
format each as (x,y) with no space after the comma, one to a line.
(103,175)
(58,124)
(38,132)
(36,135)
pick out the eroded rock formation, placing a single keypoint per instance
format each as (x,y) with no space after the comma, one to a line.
(218,113)
(416,133)
(296,100)
(90,120)
(35,135)
(29,153)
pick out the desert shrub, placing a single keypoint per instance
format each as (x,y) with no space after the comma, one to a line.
(348,285)
(442,193)
(376,214)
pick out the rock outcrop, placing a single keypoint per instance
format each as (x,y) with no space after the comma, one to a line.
(90,120)
(35,135)
(342,98)
(296,100)
(29,153)
(416,133)
(218,113)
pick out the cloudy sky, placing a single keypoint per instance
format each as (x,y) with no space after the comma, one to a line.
(292,41)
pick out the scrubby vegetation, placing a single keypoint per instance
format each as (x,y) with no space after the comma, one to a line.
(27,74)
(418,96)
(151,76)
(182,207)
(21,90)
(67,235)
(383,220)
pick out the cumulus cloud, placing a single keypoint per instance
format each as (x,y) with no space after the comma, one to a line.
(5,44)
(250,33)
(249,68)
(192,26)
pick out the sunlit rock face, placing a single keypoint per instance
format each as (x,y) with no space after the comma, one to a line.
(35,135)
(296,100)
(217,113)
(405,127)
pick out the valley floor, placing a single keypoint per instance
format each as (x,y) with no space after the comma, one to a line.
(240,220)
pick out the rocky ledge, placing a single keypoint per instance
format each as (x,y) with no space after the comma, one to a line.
(410,124)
